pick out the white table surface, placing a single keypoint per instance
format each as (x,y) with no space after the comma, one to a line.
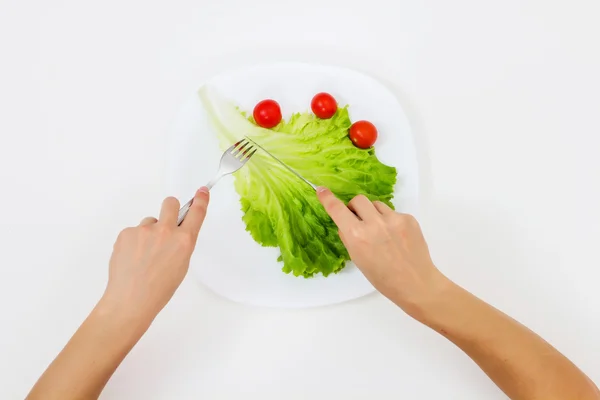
(504,101)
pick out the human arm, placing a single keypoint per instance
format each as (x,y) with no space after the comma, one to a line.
(519,361)
(147,266)
(391,251)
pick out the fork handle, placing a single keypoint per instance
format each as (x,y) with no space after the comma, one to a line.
(183,211)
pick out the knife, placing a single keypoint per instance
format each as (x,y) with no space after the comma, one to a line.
(312,185)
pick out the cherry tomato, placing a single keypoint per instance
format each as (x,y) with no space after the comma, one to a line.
(267,113)
(323,105)
(363,134)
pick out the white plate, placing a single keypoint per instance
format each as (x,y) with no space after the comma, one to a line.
(227,259)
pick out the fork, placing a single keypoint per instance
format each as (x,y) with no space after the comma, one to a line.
(234,158)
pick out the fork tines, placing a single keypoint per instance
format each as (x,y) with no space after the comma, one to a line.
(243,150)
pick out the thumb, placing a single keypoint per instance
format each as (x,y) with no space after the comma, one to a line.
(193,221)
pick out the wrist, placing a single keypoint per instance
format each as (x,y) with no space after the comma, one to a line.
(439,290)
(117,316)
(447,300)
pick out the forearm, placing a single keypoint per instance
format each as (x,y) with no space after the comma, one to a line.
(86,363)
(521,363)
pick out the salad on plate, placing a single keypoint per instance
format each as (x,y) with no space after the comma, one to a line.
(325,147)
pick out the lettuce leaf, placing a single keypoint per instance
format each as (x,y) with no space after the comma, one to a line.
(280,210)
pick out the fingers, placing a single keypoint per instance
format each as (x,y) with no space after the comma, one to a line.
(363,208)
(383,208)
(337,210)
(148,221)
(195,217)
(169,211)
(342,237)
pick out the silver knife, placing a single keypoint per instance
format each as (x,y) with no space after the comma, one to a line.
(312,185)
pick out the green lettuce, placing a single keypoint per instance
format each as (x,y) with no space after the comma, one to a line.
(280,210)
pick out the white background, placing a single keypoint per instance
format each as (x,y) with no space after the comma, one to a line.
(504,101)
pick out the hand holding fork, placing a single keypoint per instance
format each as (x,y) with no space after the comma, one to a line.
(234,158)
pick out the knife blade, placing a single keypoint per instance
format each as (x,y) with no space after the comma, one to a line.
(312,185)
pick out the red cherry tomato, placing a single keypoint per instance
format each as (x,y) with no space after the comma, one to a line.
(323,105)
(267,113)
(363,134)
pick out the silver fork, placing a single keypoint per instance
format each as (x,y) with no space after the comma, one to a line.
(232,159)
